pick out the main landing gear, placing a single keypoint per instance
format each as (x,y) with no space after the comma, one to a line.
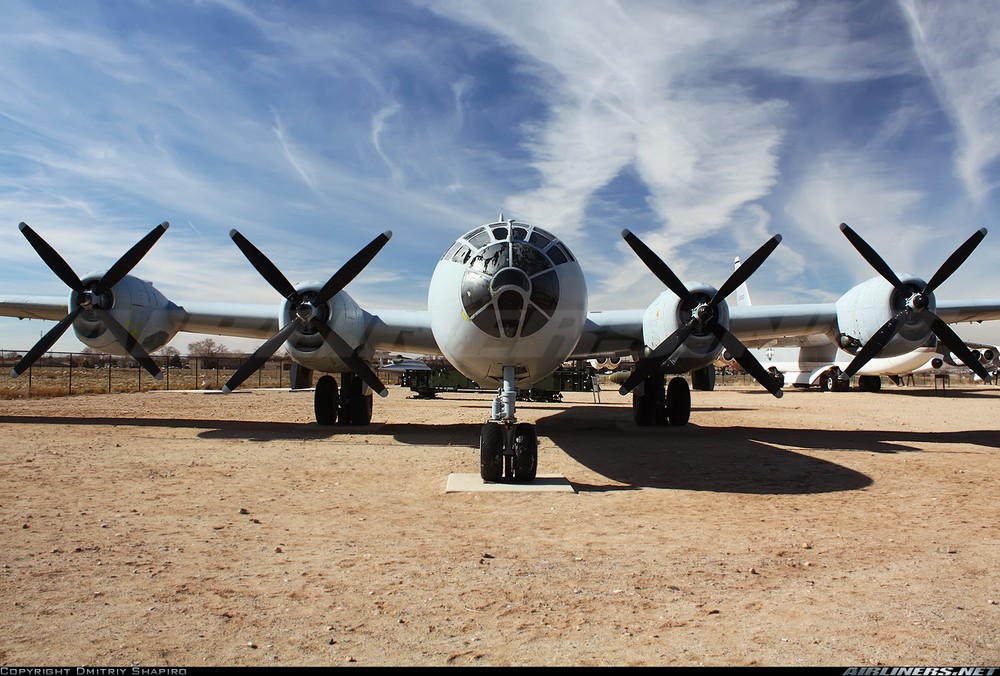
(348,404)
(652,405)
(507,449)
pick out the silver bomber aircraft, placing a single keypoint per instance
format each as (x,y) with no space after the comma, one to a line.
(507,305)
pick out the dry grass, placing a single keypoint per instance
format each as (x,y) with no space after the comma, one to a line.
(61,381)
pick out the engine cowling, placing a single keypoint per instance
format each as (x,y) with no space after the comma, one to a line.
(138,306)
(667,313)
(342,314)
(865,308)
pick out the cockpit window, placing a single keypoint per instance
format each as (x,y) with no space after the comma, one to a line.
(529,259)
(562,249)
(510,287)
(545,291)
(475,292)
(539,238)
(491,259)
(556,254)
(478,238)
(511,277)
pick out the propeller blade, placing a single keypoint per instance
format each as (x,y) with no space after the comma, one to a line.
(746,359)
(52,259)
(747,268)
(955,344)
(875,344)
(954,261)
(871,256)
(263,265)
(658,267)
(130,259)
(649,365)
(128,341)
(351,268)
(45,344)
(351,358)
(263,353)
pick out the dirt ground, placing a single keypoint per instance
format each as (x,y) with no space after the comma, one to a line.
(189,529)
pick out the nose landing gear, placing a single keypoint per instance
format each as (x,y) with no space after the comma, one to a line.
(508,450)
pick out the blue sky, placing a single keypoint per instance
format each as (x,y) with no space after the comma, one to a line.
(704,127)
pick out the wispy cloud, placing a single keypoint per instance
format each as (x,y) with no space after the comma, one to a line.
(958,47)
(705,127)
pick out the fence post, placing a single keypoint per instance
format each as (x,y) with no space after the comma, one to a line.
(69,387)
(108,362)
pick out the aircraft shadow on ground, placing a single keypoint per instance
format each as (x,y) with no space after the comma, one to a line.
(607,441)
(247,430)
(726,459)
(947,393)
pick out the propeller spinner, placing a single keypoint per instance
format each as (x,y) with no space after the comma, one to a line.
(917,304)
(93,297)
(307,311)
(703,314)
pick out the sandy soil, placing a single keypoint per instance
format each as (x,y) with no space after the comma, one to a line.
(188,529)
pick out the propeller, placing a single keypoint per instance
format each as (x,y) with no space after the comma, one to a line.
(93,297)
(307,311)
(916,306)
(703,315)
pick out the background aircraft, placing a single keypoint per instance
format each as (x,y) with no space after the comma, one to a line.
(944,362)
(507,305)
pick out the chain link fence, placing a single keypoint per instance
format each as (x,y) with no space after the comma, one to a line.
(58,374)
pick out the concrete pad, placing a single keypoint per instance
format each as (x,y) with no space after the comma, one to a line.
(195,391)
(473,483)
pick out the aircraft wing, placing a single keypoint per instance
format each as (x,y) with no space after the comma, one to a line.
(954,311)
(34,307)
(772,324)
(816,324)
(610,333)
(229,319)
(397,330)
(619,332)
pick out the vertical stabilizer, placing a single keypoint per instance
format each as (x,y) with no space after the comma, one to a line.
(742,292)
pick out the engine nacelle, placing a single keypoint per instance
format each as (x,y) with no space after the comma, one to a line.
(864,309)
(668,313)
(342,314)
(138,306)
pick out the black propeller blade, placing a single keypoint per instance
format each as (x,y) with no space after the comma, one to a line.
(917,304)
(307,313)
(702,314)
(95,299)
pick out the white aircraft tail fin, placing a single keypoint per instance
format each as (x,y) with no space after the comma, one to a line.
(742,292)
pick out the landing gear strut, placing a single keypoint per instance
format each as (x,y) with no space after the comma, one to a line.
(348,404)
(652,406)
(507,449)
